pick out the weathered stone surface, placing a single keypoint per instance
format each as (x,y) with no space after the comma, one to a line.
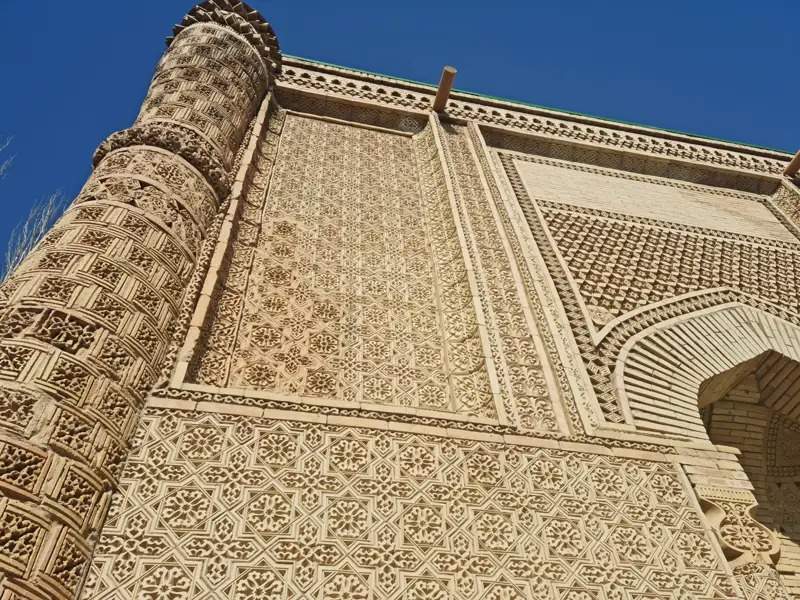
(86,320)
(301,337)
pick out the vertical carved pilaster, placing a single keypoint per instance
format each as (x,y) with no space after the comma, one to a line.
(86,319)
(749,546)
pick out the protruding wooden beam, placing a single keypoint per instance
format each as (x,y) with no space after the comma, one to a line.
(445,85)
(791,169)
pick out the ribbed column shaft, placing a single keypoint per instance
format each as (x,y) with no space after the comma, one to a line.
(86,320)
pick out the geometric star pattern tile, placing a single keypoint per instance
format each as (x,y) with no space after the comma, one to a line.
(230,507)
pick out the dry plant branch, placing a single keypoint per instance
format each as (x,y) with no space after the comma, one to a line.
(28,233)
(5,164)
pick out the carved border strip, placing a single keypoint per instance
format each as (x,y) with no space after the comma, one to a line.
(201,277)
(352,84)
(544,298)
(619,174)
(531,313)
(208,401)
(495,363)
(599,373)
(579,153)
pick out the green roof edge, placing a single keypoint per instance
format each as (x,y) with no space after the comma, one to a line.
(543,107)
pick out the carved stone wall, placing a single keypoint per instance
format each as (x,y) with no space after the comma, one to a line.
(242,507)
(302,337)
(355,289)
(658,305)
(87,318)
(618,273)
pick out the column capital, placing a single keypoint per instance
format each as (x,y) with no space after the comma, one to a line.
(241,18)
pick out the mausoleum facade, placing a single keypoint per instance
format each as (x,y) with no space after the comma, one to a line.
(311,332)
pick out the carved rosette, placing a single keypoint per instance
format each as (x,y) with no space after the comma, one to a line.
(760,581)
(750,547)
(86,320)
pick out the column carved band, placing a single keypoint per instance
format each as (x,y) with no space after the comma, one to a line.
(86,320)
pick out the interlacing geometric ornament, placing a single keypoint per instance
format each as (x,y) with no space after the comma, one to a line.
(512,331)
(362,261)
(595,142)
(220,506)
(356,287)
(86,320)
(642,256)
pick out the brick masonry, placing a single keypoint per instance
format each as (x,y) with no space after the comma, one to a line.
(301,336)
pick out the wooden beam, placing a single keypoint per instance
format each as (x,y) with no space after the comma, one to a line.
(793,167)
(445,85)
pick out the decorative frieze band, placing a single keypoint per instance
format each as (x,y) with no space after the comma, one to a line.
(407,96)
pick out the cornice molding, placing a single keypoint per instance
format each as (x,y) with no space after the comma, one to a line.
(241,18)
(359,86)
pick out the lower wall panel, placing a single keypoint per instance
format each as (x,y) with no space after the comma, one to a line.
(233,507)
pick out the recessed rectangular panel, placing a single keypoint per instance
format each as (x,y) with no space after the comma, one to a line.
(651,198)
(358,290)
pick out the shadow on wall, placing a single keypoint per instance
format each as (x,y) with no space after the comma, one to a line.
(755,407)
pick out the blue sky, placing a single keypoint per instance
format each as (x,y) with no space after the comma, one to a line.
(75,71)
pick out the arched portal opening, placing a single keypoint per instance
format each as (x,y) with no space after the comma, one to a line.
(729,374)
(755,407)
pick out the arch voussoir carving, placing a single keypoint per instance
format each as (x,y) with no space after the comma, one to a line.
(746,361)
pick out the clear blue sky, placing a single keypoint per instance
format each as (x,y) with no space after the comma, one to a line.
(72,72)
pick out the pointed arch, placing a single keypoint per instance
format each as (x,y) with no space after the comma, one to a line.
(666,372)
(729,375)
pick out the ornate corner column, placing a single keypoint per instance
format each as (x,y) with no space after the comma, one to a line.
(750,547)
(86,320)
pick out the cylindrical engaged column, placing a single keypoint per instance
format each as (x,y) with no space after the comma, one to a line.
(86,320)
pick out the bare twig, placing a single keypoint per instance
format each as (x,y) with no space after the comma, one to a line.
(37,223)
(29,232)
(5,164)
